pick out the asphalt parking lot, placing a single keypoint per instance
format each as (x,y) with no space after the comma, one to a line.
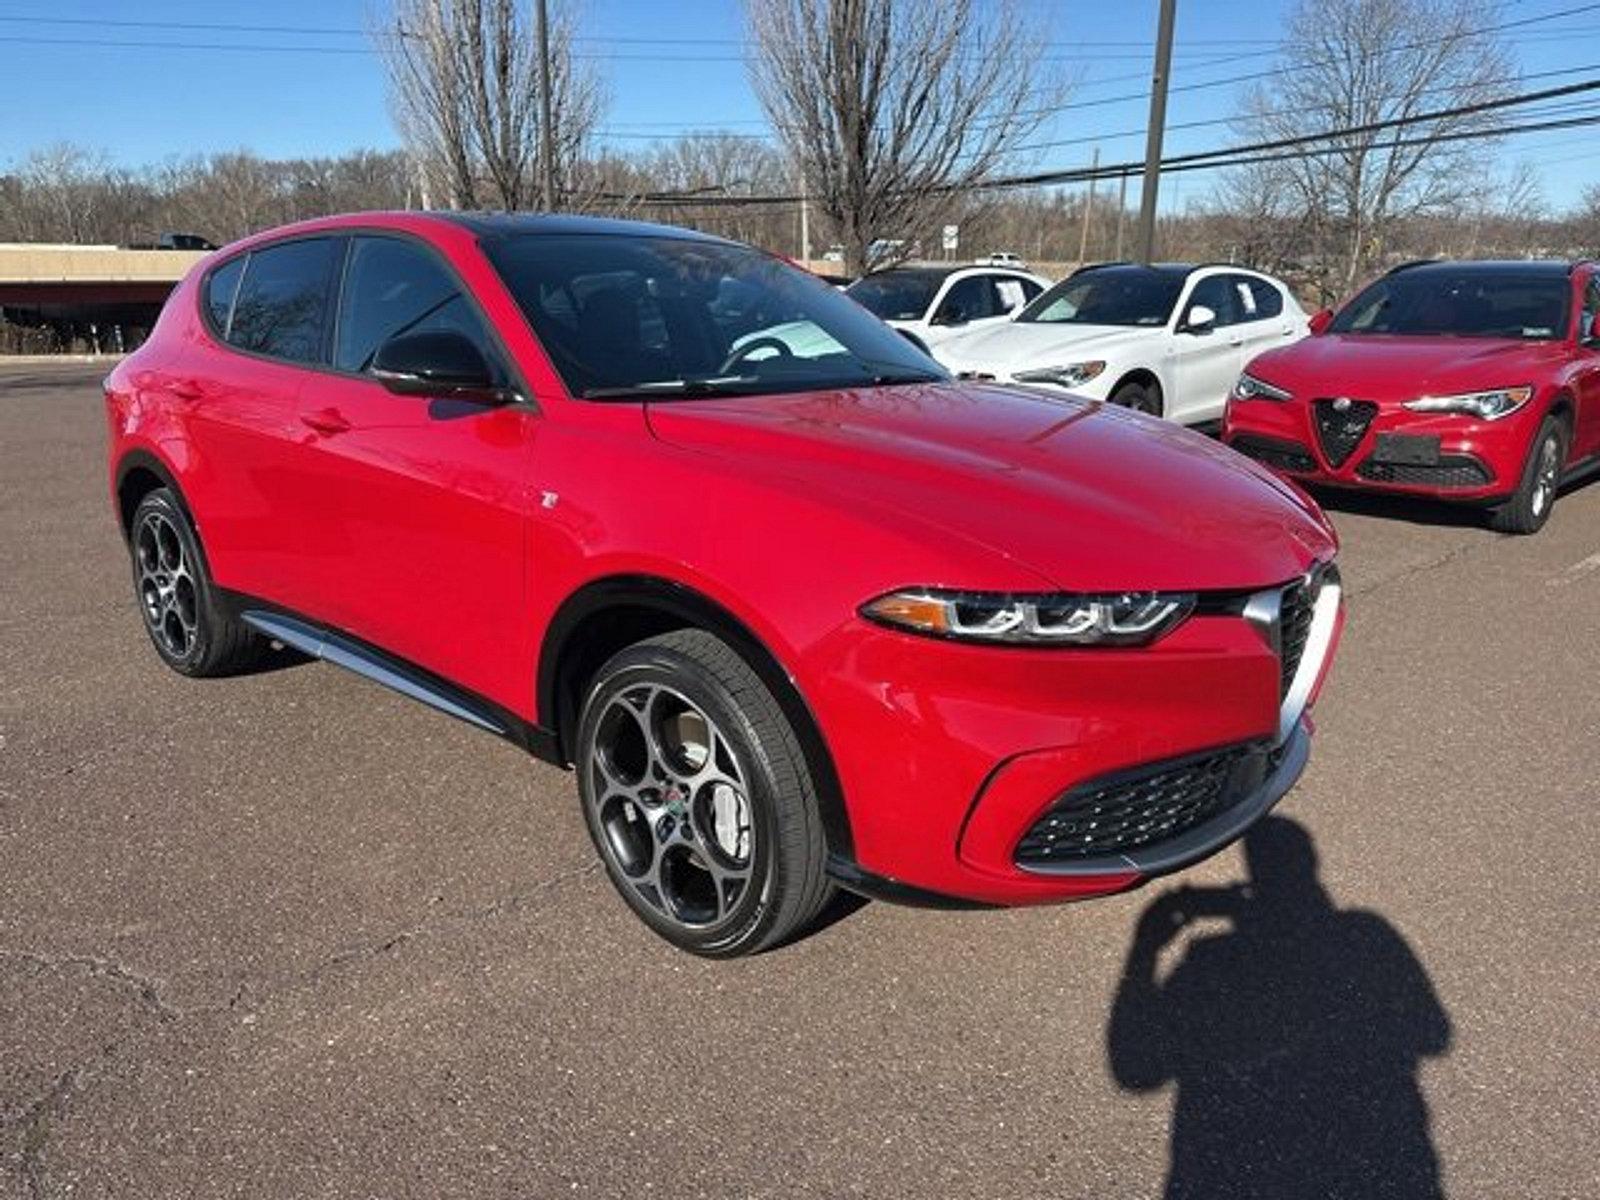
(290,935)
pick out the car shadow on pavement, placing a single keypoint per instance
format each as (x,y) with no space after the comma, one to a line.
(1414,510)
(1293,1034)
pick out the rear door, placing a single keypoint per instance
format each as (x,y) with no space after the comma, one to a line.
(1586,432)
(1267,319)
(1206,362)
(265,313)
(421,502)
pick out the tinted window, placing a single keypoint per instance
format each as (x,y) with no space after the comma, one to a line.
(220,289)
(1497,303)
(1591,309)
(1221,295)
(1108,296)
(392,287)
(283,301)
(896,295)
(970,299)
(630,315)
(1269,300)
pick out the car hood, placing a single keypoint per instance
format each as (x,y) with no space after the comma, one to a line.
(1089,496)
(1384,367)
(1018,345)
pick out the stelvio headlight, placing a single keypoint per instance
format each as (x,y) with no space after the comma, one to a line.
(1057,619)
(1486,406)
(1070,375)
(1250,388)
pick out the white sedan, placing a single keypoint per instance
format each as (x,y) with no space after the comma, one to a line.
(936,303)
(1168,339)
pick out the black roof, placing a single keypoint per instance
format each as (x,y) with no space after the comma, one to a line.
(503,224)
(1520,267)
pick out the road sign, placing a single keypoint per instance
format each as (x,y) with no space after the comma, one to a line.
(952,239)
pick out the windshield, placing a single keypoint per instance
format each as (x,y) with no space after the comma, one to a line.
(1109,296)
(895,295)
(1468,303)
(633,315)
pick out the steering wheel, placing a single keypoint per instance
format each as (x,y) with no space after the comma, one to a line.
(767,342)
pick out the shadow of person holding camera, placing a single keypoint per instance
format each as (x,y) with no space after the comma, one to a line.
(1293,1034)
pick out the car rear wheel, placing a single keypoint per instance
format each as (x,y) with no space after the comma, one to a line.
(1141,397)
(698,797)
(188,628)
(1529,507)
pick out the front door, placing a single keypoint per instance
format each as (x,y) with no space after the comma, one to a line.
(1206,362)
(423,502)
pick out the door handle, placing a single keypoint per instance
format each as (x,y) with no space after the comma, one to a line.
(327,421)
(1235,342)
(185,389)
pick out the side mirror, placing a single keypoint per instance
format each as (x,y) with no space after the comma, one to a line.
(949,314)
(1320,321)
(915,341)
(1200,320)
(442,363)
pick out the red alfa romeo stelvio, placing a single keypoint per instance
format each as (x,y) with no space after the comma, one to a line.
(1466,381)
(799,609)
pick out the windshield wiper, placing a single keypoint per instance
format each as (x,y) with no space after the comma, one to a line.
(724,385)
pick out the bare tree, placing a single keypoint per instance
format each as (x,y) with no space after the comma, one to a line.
(1357,62)
(464,88)
(1586,221)
(892,110)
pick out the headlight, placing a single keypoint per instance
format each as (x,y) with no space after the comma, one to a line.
(1486,406)
(1251,388)
(1070,375)
(1060,619)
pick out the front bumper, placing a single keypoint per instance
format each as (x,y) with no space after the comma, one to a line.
(950,755)
(1436,455)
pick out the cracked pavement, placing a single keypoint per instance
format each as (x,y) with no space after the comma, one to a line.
(290,934)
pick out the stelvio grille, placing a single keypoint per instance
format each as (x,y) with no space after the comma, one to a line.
(1281,456)
(1124,812)
(1340,429)
(1294,627)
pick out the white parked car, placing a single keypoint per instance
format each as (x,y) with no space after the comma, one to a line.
(1002,258)
(1168,339)
(936,303)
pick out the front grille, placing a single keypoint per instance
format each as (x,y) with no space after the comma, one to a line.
(1294,626)
(1451,471)
(1121,813)
(1340,430)
(1280,456)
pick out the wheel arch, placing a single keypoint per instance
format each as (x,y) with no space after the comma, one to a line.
(608,614)
(1146,376)
(1564,408)
(140,472)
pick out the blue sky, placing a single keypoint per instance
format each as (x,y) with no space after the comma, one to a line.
(68,74)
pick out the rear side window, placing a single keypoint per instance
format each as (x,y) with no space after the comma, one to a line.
(282,307)
(221,288)
(392,287)
(1269,300)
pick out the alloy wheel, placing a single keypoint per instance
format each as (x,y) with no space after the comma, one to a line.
(672,805)
(167,593)
(1548,472)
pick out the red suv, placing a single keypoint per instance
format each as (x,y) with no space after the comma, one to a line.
(798,609)
(1470,381)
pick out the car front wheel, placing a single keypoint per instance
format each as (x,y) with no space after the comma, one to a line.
(1141,397)
(1530,505)
(698,797)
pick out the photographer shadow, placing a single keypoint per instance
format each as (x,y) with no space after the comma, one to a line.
(1293,1037)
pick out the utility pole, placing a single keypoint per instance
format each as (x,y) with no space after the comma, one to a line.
(1088,210)
(547,162)
(805,225)
(1158,125)
(1122,207)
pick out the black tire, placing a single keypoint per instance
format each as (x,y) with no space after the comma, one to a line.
(1530,505)
(1140,396)
(177,601)
(750,753)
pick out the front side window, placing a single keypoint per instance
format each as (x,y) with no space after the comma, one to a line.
(625,315)
(1108,296)
(970,299)
(391,288)
(1221,296)
(896,295)
(1430,302)
(283,300)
